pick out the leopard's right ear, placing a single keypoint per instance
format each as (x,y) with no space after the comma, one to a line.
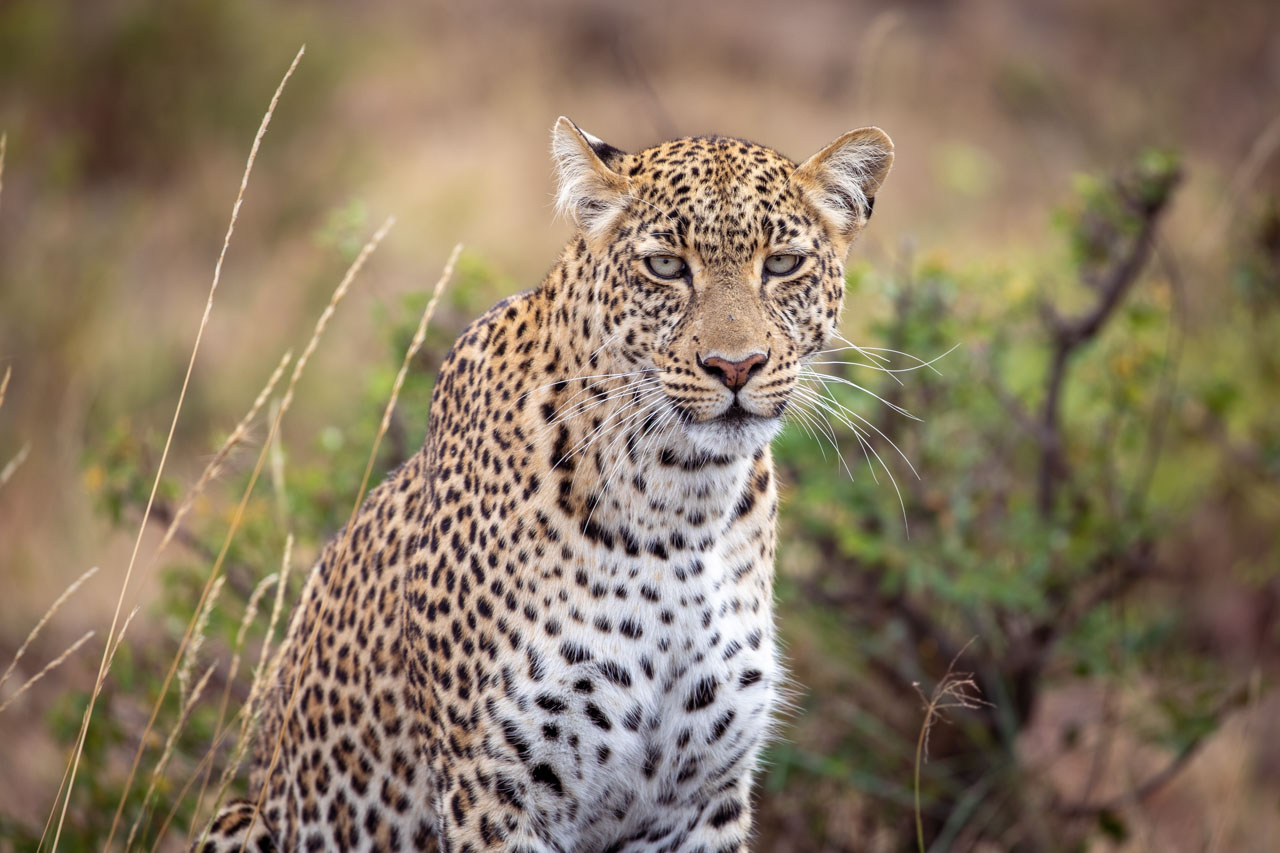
(842,179)
(589,193)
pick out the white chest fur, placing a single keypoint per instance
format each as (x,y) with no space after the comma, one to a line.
(650,677)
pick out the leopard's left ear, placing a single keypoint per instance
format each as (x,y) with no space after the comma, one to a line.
(590,193)
(842,179)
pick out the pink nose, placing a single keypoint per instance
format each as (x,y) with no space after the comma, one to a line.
(734,374)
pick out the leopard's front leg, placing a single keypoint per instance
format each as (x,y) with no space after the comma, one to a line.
(724,825)
(487,811)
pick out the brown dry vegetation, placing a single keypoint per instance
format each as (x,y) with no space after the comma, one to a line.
(127,125)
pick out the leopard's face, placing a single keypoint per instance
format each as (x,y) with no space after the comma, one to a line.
(720,268)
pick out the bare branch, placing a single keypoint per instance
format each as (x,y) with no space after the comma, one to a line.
(1153,783)
(1069,334)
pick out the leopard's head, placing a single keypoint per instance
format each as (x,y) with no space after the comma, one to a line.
(718,267)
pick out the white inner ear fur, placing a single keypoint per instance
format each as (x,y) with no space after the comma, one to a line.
(588,193)
(846,174)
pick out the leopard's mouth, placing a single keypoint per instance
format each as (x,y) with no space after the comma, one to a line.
(737,415)
(734,414)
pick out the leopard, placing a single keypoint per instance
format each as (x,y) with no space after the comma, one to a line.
(552,629)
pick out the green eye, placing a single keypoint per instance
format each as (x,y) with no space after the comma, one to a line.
(781,264)
(666,266)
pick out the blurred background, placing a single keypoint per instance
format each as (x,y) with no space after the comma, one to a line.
(1077,598)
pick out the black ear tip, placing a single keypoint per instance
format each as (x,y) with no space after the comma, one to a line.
(606,152)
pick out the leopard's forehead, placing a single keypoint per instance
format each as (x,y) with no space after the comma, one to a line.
(719,193)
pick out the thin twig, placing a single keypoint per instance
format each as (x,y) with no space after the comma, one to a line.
(1169,368)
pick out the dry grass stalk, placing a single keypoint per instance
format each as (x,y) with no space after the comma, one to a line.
(1234,813)
(21,455)
(48,667)
(18,459)
(419,335)
(414,345)
(97,688)
(158,770)
(259,671)
(4,143)
(48,614)
(215,465)
(250,611)
(120,636)
(49,820)
(238,515)
(870,52)
(1245,178)
(277,475)
(248,711)
(341,291)
(955,690)
(204,320)
(196,772)
(197,639)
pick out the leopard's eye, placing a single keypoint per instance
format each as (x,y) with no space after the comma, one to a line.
(666,266)
(781,264)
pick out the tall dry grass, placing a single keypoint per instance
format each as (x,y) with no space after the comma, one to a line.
(414,345)
(242,722)
(238,516)
(112,640)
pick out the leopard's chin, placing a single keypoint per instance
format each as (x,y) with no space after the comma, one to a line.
(734,432)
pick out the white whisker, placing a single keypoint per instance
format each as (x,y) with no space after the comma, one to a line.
(649,397)
(835,408)
(568,380)
(823,377)
(622,457)
(829,397)
(825,425)
(585,406)
(798,416)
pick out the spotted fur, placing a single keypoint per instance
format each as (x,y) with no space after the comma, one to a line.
(552,628)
